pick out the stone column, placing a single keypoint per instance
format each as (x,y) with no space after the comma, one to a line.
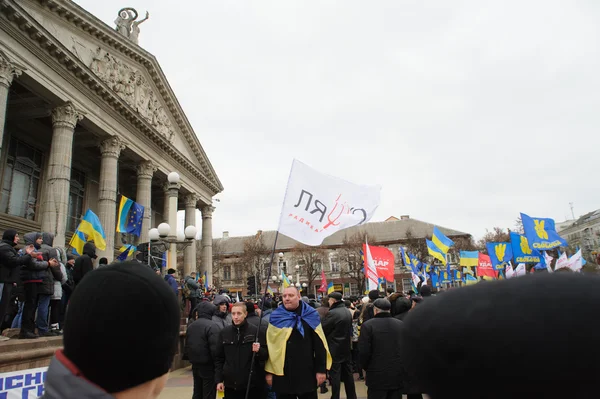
(107,197)
(189,264)
(58,181)
(172,220)
(145,171)
(207,264)
(8,71)
(165,217)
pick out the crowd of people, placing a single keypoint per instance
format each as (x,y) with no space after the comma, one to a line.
(489,340)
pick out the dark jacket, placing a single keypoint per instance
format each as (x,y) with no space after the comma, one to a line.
(379,352)
(173,283)
(234,357)
(304,357)
(201,339)
(61,383)
(52,274)
(221,319)
(193,286)
(323,309)
(401,307)
(84,263)
(35,270)
(254,319)
(10,262)
(337,327)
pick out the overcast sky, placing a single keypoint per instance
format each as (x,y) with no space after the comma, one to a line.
(465,112)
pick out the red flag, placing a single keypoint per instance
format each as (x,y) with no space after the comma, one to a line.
(323,287)
(484,267)
(384,261)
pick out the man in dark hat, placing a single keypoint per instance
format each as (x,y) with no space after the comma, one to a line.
(337,327)
(511,325)
(379,351)
(170,279)
(103,362)
(85,263)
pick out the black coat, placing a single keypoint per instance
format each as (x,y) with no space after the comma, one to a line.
(84,263)
(11,262)
(379,352)
(234,357)
(337,326)
(201,339)
(305,356)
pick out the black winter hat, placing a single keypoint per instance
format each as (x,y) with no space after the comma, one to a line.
(373,295)
(122,326)
(336,295)
(425,290)
(9,234)
(518,330)
(171,271)
(382,304)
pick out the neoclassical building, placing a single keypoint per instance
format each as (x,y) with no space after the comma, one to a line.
(86,115)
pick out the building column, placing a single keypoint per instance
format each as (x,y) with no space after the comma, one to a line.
(107,197)
(173,204)
(58,181)
(8,71)
(207,265)
(145,171)
(165,217)
(189,263)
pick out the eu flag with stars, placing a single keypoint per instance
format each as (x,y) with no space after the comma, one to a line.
(130,217)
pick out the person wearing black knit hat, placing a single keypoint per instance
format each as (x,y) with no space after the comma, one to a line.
(108,350)
(514,338)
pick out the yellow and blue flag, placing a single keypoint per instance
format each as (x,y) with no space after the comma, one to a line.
(269,289)
(441,241)
(435,252)
(541,233)
(125,252)
(435,280)
(281,324)
(405,257)
(522,252)
(469,258)
(330,288)
(89,229)
(500,253)
(286,281)
(206,287)
(445,277)
(457,275)
(470,280)
(130,217)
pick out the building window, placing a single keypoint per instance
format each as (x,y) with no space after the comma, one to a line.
(76,194)
(226,272)
(334,263)
(238,272)
(406,284)
(354,291)
(21,180)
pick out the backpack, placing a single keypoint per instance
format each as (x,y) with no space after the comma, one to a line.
(185,289)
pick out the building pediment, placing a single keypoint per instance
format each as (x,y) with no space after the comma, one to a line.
(126,76)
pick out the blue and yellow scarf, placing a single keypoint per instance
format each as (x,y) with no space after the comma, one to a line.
(281,324)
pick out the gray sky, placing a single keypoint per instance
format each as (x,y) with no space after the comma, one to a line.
(466,112)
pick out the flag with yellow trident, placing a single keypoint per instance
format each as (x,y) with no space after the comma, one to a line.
(500,253)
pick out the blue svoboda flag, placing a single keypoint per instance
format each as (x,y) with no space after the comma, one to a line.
(281,324)
(541,233)
(522,252)
(500,253)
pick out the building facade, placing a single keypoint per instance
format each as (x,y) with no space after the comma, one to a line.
(87,115)
(583,233)
(339,257)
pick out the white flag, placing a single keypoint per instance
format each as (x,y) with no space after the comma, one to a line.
(575,262)
(416,280)
(510,272)
(521,270)
(562,261)
(548,260)
(317,205)
(370,270)
(425,279)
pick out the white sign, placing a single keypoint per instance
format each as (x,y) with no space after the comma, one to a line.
(24,384)
(317,205)
(562,261)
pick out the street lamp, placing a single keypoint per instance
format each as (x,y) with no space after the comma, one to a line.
(280,263)
(160,236)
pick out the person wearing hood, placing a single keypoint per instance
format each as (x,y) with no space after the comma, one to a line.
(85,263)
(253,318)
(10,264)
(170,279)
(200,349)
(401,306)
(46,289)
(55,300)
(107,363)
(221,317)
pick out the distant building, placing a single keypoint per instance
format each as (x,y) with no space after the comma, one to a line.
(232,273)
(584,233)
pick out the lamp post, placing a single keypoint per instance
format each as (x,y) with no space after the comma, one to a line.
(304,285)
(280,264)
(297,267)
(276,281)
(161,236)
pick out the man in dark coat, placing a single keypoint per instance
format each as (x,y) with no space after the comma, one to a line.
(46,289)
(10,264)
(235,354)
(85,263)
(200,347)
(379,351)
(299,361)
(337,326)
(170,279)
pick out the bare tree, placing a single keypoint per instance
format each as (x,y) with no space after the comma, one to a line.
(350,254)
(416,245)
(310,260)
(496,235)
(254,255)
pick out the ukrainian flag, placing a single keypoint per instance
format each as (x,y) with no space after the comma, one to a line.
(435,252)
(130,217)
(269,289)
(281,324)
(470,280)
(286,281)
(90,229)
(441,241)
(469,258)
(330,288)
(126,252)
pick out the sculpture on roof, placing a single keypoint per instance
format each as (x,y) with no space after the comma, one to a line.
(127,24)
